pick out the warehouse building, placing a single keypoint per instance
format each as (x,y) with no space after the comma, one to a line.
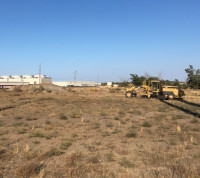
(77,84)
(19,80)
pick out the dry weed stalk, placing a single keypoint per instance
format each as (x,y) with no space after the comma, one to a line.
(185,143)
(191,139)
(33,127)
(52,114)
(17,148)
(27,148)
(42,173)
(178,128)
(82,119)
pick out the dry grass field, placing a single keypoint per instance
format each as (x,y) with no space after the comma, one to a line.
(97,132)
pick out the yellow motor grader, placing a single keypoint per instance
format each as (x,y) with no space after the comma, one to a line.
(156,89)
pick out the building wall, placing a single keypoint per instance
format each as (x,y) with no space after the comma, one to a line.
(30,79)
(77,84)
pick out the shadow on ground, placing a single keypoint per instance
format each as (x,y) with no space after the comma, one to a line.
(183,109)
(190,103)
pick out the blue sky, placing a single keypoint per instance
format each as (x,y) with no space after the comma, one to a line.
(102,40)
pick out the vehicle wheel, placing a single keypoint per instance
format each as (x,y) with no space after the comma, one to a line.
(134,94)
(129,94)
(170,97)
(161,97)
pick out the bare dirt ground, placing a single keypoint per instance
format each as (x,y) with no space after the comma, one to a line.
(97,132)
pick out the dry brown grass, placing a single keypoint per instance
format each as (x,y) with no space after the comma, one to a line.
(29,169)
(83,132)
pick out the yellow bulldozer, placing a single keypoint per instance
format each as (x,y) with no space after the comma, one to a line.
(156,89)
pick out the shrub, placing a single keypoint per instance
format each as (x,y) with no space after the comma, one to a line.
(22,131)
(116,118)
(39,89)
(73,159)
(36,134)
(65,145)
(126,163)
(70,90)
(18,117)
(30,119)
(28,170)
(96,125)
(172,142)
(52,152)
(36,142)
(122,122)
(131,134)
(110,124)
(146,124)
(51,135)
(63,117)
(110,157)
(194,121)
(76,115)
(103,114)
(115,131)
(17,89)
(47,122)
(48,90)
(135,112)
(195,129)
(112,90)
(179,116)
(94,159)
(121,113)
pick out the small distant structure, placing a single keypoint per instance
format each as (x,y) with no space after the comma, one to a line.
(115,85)
(19,80)
(77,84)
(109,84)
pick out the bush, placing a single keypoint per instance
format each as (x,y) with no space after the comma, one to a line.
(22,131)
(116,118)
(146,124)
(194,121)
(126,163)
(37,134)
(17,89)
(63,117)
(52,152)
(179,116)
(18,117)
(94,159)
(109,157)
(39,89)
(110,124)
(29,170)
(96,125)
(65,145)
(131,134)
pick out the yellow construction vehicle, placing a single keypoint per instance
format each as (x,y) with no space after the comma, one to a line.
(154,88)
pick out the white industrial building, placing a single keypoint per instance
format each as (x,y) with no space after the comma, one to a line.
(77,84)
(8,81)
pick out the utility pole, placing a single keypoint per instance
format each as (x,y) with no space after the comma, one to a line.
(75,72)
(40,71)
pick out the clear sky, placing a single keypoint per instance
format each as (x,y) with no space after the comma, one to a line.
(102,40)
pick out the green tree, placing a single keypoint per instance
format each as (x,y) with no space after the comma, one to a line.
(136,80)
(176,82)
(153,78)
(193,77)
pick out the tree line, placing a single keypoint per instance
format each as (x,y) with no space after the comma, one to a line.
(193,79)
